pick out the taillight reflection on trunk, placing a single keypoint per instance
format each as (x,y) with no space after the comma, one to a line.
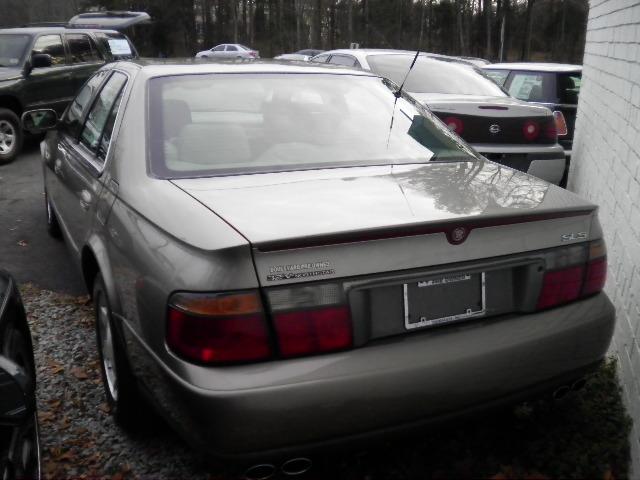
(560,123)
(217,328)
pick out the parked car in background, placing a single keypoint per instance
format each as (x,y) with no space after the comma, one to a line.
(44,67)
(287,256)
(19,438)
(229,50)
(553,85)
(293,57)
(503,129)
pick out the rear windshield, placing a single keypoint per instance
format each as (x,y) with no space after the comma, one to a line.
(13,48)
(222,124)
(433,76)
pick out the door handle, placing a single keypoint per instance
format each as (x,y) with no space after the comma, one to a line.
(85,200)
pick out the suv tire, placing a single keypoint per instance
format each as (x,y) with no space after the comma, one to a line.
(11,136)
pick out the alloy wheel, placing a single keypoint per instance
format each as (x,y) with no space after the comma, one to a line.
(107,348)
(7,137)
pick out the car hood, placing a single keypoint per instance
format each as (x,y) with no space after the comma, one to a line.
(311,206)
(9,73)
(485,106)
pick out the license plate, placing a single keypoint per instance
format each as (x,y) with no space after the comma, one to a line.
(445,299)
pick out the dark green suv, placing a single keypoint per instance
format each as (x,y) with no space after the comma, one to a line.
(44,67)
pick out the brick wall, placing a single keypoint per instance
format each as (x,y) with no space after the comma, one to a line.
(606,169)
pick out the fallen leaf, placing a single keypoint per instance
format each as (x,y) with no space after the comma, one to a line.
(79,373)
(608,475)
(22,243)
(46,416)
(104,407)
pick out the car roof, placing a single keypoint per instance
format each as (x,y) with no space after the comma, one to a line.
(45,29)
(167,67)
(535,67)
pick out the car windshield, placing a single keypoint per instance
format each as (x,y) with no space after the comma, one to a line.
(433,76)
(223,124)
(12,49)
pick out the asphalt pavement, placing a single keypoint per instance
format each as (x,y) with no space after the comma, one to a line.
(26,249)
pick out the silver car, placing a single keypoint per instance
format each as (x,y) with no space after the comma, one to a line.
(285,256)
(229,51)
(504,129)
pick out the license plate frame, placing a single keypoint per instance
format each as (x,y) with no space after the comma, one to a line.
(468,313)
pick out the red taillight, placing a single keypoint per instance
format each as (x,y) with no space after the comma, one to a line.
(531,130)
(567,281)
(596,276)
(561,286)
(308,332)
(218,328)
(560,123)
(455,124)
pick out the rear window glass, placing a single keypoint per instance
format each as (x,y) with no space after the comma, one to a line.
(221,124)
(533,87)
(569,87)
(82,49)
(433,76)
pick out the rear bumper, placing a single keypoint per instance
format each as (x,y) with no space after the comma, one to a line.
(543,161)
(389,385)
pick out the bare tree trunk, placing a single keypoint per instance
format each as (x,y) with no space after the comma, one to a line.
(459,23)
(234,9)
(350,20)
(423,7)
(317,25)
(367,26)
(526,44)
(487,26)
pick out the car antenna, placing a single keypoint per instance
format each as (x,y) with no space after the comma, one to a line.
(398,94)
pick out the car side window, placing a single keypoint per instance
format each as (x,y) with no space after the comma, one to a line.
(345,60)
(51,45)
(98,119)
(498,76)
(320,58)
(82,48)
(232,48)
(219,48)
(72,120)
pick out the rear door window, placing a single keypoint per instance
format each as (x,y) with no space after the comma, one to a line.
(99,120)
(345,60)
(533,87)
(51,45)
(82,48)
(498,76)
(320,58)
(72,119)
(232,48)
(569,87)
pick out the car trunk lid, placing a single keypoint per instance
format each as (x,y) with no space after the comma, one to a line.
(334,223)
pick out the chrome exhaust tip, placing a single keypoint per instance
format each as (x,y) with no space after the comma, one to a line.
(263,471)
(561,392)
(579,384)
(296,466)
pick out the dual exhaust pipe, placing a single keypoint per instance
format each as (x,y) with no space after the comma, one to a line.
(291,468)
(564,390)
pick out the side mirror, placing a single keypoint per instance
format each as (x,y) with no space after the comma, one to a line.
(41,60)
(16,399)
(39,120)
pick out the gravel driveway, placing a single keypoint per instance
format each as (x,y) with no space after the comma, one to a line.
(584,436)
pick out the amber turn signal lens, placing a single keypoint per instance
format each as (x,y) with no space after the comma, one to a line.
(216,305)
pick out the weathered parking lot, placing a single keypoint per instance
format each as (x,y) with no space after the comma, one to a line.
(583,436)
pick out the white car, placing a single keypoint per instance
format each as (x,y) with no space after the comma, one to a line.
(229,50)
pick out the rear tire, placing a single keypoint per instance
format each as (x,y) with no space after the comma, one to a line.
(11,136)
(118,381)
(53,227)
